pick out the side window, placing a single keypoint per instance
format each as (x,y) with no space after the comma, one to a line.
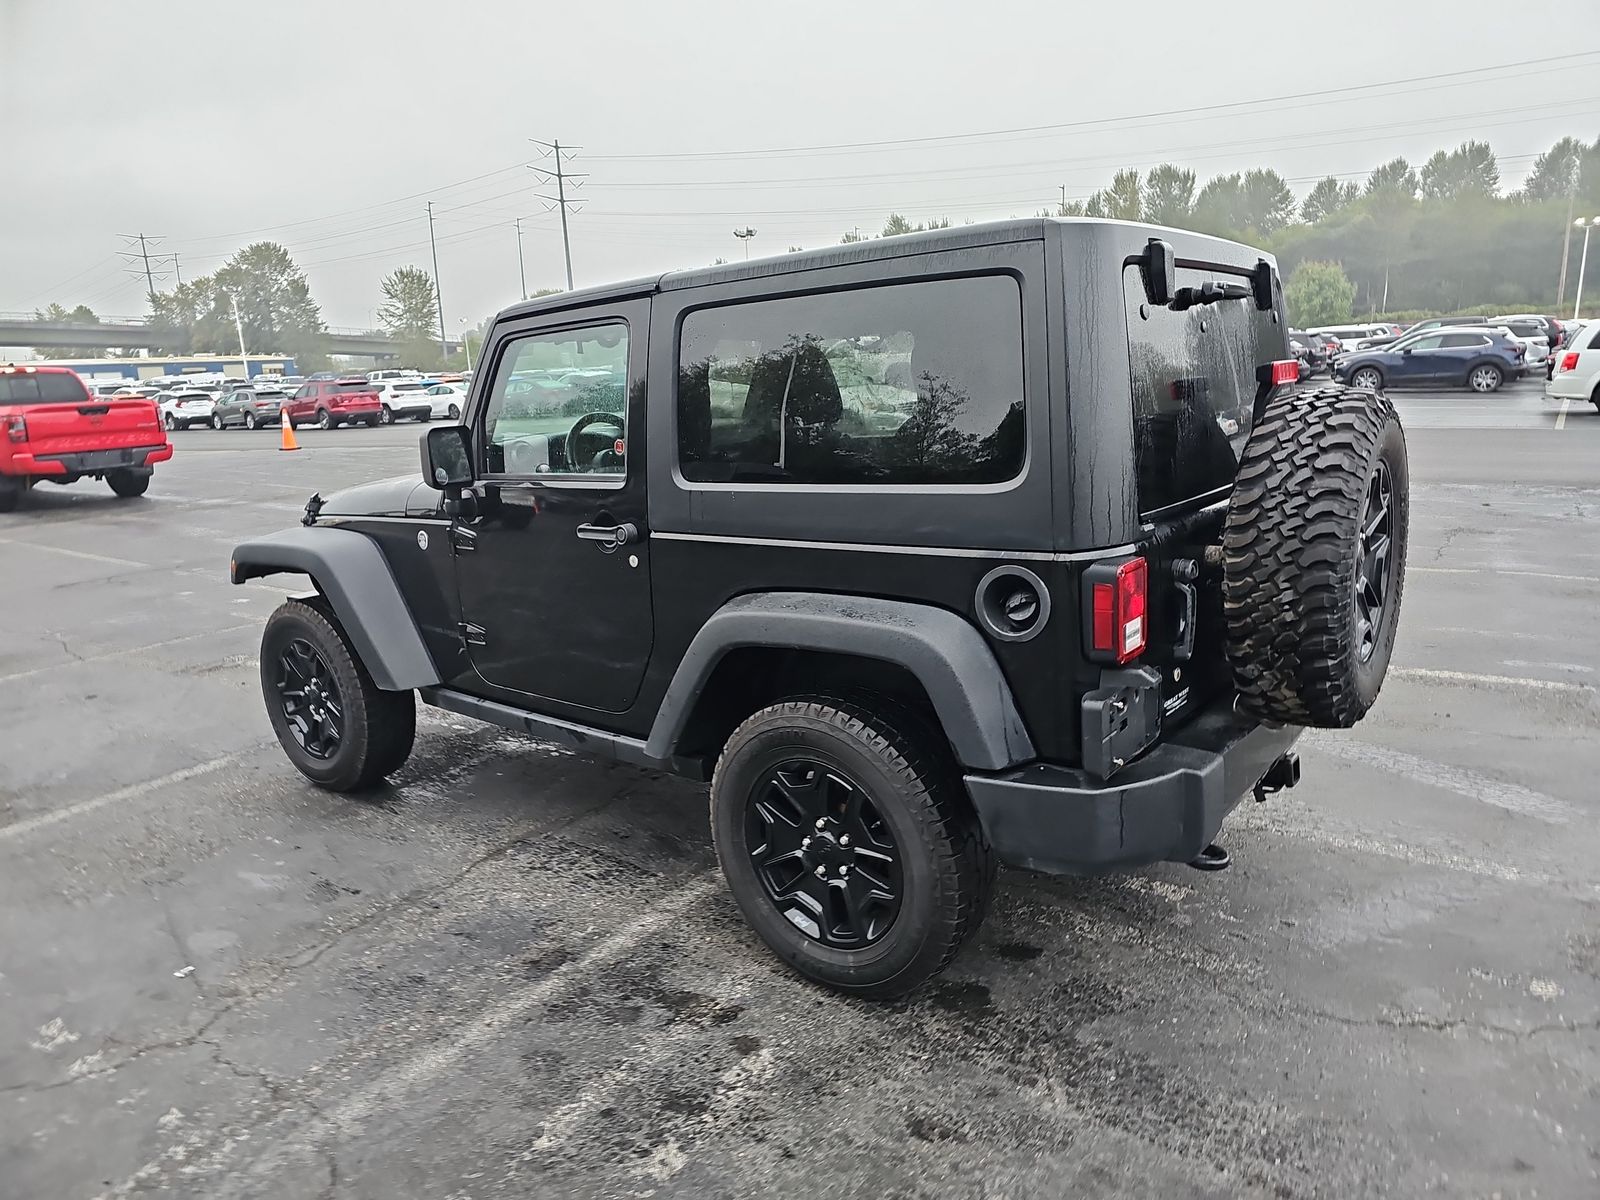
(559,404)
(911,383)
(1454,341)
(1428,343)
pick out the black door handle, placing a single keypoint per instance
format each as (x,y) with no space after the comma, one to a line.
(609,536)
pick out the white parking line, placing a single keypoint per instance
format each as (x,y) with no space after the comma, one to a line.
(430,1064)
(1561,419)
(1512,797)
(104,558)
(1519,681)
(132,792)
(109,654)
(1502,571)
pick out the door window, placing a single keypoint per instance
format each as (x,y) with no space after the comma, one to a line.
(559,404)
(1427,343)
(1455,341)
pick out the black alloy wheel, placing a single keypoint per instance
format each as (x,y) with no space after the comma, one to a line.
(1374,563)
(823,853)
(309,696)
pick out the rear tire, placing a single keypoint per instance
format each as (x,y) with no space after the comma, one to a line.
(250,421)
(1314,551)
(129,484)
(899,779)
(455,412)
(325,419)
(376,729)
(1485,378)
(387,416)
(11,489)
(168,423)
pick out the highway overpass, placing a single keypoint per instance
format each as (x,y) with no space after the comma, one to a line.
(134,333)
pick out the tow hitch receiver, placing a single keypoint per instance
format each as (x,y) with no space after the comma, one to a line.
(1284,773)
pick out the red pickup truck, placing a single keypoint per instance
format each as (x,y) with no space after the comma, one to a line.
(51,428)
(330,402)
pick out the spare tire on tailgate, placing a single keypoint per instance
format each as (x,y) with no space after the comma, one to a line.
(1314,553)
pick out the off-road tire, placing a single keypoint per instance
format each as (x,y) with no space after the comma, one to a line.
(379,726)
(129,484)
(907,770)
(1290,547)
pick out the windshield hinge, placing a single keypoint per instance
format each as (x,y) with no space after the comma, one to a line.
(473,635)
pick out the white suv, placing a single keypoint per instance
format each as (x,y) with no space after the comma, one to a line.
(1577,368)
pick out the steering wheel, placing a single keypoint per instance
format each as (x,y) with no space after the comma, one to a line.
(579,427)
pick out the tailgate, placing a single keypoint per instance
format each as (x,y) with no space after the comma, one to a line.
(108,424)
(1195,384)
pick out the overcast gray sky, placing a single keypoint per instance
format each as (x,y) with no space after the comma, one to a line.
(327,124)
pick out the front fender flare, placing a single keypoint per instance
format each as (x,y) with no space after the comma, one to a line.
(350,570)
(945,652)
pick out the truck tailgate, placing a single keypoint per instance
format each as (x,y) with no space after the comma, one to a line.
(108,424)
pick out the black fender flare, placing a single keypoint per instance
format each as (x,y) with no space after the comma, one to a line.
(945,652)
(350,570)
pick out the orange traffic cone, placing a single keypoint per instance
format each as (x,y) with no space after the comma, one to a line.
(288,436)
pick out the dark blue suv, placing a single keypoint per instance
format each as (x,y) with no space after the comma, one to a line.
(1481,359)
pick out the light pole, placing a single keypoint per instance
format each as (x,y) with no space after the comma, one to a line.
(744,235)
(465,343)
(1585,224)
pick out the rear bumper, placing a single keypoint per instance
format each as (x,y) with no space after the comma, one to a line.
(1569,385)
(1165,807)
(88,462)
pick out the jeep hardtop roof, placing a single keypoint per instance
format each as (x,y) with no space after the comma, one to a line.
(956,237)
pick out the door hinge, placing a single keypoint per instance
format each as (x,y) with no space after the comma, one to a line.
(463,539)
(473,635)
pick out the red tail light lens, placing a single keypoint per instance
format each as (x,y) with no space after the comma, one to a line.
(1569,361)
(1119,604)
(16,429)
(1285,370)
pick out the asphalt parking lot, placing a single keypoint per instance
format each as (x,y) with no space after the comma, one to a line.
(515,972)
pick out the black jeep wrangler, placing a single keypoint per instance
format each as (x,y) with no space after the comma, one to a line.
(1005,543)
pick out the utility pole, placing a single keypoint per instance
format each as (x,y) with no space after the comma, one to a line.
(522,269)
(438,296)
(1062,211)
(560,198)
(238,325)
(1566,246)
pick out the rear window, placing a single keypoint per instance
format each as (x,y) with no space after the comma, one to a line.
(355,386)
(913,383)
(1194,388)
(45,388)
(407,387)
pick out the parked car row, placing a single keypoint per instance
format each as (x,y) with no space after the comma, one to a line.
(340,400)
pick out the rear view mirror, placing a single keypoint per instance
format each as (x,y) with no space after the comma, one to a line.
(1160,270)
(447,457)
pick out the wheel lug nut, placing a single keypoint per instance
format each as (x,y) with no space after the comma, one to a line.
(805,843)
(822,822)
(821,872)
(844,869)
(844,839)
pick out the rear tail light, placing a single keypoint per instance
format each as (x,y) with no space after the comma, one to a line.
(1119,628)
(16,429)
(1285,370)
(1569,361)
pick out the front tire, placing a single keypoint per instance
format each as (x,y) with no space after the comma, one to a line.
(129,484)
(11,489)
(1368,379)
(869,796)
(217,422)
(1313,556)
(338,728)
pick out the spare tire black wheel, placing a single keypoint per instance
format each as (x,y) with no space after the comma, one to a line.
(1314,552)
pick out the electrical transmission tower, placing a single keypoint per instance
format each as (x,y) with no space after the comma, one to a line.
(145,245)
(561,176)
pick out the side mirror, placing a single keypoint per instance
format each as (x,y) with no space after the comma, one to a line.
(1405,350)
(447,457)
(1160,270)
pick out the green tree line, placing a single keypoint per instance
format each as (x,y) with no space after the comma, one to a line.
(1442,237)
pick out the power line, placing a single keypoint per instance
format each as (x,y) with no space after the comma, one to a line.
(560,199)
(1543,63)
